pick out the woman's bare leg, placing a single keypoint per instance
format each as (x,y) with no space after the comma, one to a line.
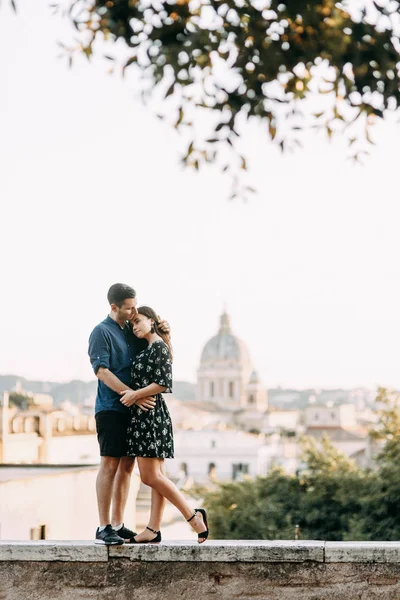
(157,505)
(156,512)
(152,475)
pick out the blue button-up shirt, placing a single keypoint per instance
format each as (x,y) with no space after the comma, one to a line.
(115,348)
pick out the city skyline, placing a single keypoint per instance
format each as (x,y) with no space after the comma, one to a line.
(94,194)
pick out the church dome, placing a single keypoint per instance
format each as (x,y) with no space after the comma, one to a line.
(225,347)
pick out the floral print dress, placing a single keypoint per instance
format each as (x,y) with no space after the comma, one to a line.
(150,434)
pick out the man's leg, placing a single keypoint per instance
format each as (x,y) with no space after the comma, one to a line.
(104,487)
(121,489)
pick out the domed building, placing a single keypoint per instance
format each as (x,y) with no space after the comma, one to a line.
(226,376)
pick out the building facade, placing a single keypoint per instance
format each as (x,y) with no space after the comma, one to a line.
(226,377)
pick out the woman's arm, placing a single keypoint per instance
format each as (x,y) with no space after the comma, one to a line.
(130,397)
(150,390)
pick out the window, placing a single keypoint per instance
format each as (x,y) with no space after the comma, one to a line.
(212,389)
(211,467)
(38,533)
(251,399)
(213,444)
(231,389)
(239,469)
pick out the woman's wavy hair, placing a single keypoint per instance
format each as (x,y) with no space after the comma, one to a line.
(151,314)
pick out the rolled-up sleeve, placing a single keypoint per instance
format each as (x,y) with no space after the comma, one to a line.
(99,349)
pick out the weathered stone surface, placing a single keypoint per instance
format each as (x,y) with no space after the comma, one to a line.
(52,550)
(217,570)
(122,579)
(362,552)
(223,551)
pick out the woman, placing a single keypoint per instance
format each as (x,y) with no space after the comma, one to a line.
(150,435)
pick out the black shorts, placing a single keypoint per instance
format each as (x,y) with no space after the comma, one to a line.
(111,426)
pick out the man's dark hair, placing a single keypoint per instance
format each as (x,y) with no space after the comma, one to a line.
(119,292)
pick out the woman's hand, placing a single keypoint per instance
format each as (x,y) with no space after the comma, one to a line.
(129,397)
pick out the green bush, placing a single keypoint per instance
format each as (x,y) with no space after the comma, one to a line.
(331,499)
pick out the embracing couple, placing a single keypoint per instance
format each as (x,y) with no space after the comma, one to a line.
(131,355)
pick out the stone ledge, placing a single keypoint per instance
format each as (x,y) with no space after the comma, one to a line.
(362,552)
(48,551)
(223,551)
(213,551)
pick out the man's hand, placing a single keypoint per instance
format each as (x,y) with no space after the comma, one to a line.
(164,326)
(130,397)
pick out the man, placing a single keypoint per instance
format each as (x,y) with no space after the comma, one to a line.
(112,349)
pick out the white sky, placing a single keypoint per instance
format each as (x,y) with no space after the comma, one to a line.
(92,193)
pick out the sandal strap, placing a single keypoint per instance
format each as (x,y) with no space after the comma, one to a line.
(193,516)
(153,530)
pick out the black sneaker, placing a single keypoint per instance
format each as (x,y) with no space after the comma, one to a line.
(108,536)
(125,533)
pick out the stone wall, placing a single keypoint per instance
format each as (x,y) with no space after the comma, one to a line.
(219,570)
(63,499)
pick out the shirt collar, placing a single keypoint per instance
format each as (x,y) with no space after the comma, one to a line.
(110,320)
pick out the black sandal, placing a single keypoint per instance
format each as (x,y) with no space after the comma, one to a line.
(202,534)
(155,540)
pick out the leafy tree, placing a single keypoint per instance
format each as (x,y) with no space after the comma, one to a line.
(322,500)
(379,515)
(330,499)
(388,427)
(335,486)
(266,508)
(260,60)
(21,401)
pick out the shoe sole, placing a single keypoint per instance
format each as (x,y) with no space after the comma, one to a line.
(103,543)
(137,543)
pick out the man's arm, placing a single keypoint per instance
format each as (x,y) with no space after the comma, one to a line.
(115,384)
(111,380)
